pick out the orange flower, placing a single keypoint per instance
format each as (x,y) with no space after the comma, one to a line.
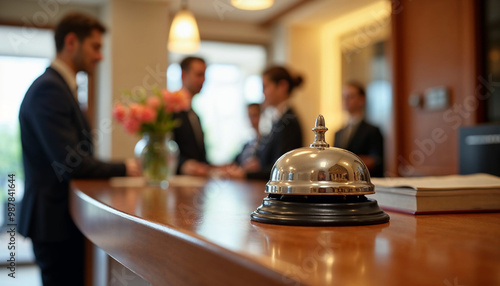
(136,110)
(131,125)
(120,112)
(142,113)
(153,101)
(148,114)
(176,101)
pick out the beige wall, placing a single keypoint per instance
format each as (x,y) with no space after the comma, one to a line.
(304,57)
(137,56)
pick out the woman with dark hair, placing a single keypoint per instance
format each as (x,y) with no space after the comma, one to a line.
(285,133)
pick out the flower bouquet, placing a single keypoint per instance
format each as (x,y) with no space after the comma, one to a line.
(151,117)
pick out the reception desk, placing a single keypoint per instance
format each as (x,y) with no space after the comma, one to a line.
(200,233)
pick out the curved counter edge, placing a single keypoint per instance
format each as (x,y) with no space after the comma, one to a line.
(162,255)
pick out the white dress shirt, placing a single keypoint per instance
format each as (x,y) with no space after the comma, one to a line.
(67,73)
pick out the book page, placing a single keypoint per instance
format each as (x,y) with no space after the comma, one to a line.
(473,181)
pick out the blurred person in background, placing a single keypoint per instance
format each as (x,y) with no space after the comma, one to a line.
(285,133)
(243,159)
(189,134)
(359,136)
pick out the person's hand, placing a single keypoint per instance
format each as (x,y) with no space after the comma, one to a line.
(132,167)
(251,165)
(219,172)
(194,168)
(235,172)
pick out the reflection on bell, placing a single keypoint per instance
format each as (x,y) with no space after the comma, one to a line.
(319,185)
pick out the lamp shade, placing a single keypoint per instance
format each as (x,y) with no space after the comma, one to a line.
(252,4)
(184,36)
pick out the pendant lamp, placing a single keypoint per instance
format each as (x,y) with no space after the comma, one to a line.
(184,36)
(252,4)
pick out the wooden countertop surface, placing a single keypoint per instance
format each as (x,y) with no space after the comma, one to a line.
(202,235)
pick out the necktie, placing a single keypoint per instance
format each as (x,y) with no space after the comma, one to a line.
(346,135)
(195,124)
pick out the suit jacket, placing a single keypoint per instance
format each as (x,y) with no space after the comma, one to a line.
(366,140)
(57,147)
(189,147)
(285,136)
(247,152)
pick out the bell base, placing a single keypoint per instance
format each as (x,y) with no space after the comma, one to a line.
(346,210)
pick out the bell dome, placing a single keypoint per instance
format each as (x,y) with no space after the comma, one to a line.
(326,171)
(319,185)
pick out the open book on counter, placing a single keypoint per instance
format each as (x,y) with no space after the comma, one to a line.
(439,194)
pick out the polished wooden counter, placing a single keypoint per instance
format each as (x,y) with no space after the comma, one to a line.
(203,235)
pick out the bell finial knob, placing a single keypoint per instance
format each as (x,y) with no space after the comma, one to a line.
(319,130)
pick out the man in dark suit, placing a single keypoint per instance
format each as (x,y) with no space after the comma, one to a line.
(57,147)
(189,135)
(358,136)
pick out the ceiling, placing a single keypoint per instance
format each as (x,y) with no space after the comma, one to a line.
(306,12)
(217,9)
(223,10)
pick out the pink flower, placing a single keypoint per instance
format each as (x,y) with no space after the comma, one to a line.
(136,110)
(183,101)
(119,112)
(141,113)
(132,125)
(153,101)
(175,101)
(148,114)
(166,95)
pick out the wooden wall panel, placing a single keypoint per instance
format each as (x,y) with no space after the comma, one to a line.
(435,44)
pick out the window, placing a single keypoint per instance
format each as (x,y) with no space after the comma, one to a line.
(23,57)
(22,60)
(16,75)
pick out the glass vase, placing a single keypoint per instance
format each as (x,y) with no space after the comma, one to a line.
(158,156)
